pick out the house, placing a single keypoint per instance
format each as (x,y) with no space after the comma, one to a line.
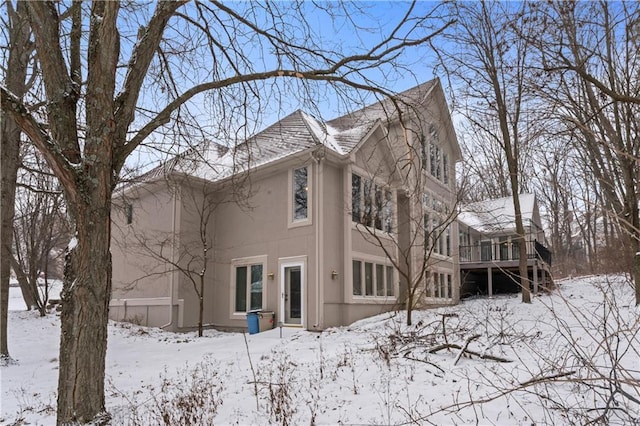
(489,255)
(308,219)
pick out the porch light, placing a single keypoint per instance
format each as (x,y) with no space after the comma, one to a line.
(271,275)
(334,274)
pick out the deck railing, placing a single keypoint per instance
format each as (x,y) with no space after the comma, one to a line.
(487,251)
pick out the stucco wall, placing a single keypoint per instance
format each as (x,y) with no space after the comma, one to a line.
(261,228)
(133,244)
(138,272)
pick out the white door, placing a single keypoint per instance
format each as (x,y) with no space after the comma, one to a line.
(292,279)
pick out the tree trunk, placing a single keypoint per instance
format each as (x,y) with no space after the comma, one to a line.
(15,81)
(84,318)
(522,262)
(28,287)
(201,306)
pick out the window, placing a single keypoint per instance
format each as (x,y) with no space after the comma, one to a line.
(437,159)
(371,279)
(440,285)
(389,281)
(368,203)
(368,278)
(129,213)
(437,229)
(447,233)
(371,204)
(445,168)
(435,154)
(300,190)
(380,280)
(356,197)
(249,284)
(357,278)
(424,155)
(387,215)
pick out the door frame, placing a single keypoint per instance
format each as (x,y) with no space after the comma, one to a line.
(288,262)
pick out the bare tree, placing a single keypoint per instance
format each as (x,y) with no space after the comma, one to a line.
(589,53)
(193,254)
(99,110)
(17,36)
(489,66)
(40,229)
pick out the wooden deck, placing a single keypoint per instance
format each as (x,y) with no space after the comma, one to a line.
(492,269)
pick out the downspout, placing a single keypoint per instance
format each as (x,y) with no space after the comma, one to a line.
(173,250)
(318,157)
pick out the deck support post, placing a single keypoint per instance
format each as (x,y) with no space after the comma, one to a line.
(535,277)
(490,281)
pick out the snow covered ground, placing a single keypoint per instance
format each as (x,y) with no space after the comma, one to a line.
(572,356)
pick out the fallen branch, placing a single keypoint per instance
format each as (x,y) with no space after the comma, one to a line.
(407,355)
(465,350)
(444,325)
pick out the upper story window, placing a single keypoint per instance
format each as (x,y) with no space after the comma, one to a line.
(371,204)
(445,168)
(437,225)
(300,191)
(129,213)
(300,196)
(435,159)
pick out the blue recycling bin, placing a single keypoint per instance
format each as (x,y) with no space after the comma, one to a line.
(253,322)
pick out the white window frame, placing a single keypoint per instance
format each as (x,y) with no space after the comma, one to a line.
(373,298)
(283,263)
(246,261)
(291,221)
(445,281)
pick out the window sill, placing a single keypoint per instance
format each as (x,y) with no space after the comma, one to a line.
(373,300)
(299,223)
(367,230)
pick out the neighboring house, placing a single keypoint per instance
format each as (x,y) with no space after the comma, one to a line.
(303,219)
(488,246)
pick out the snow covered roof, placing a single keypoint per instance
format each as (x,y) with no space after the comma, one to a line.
(291,135)
(497,214)
(385,110)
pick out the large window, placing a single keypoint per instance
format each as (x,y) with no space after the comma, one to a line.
(437,226)
(371,204)
(435,161)
(440,285)
(372,279)
(435,157)
(248,287)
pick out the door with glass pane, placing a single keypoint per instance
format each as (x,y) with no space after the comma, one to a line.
(292,293)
